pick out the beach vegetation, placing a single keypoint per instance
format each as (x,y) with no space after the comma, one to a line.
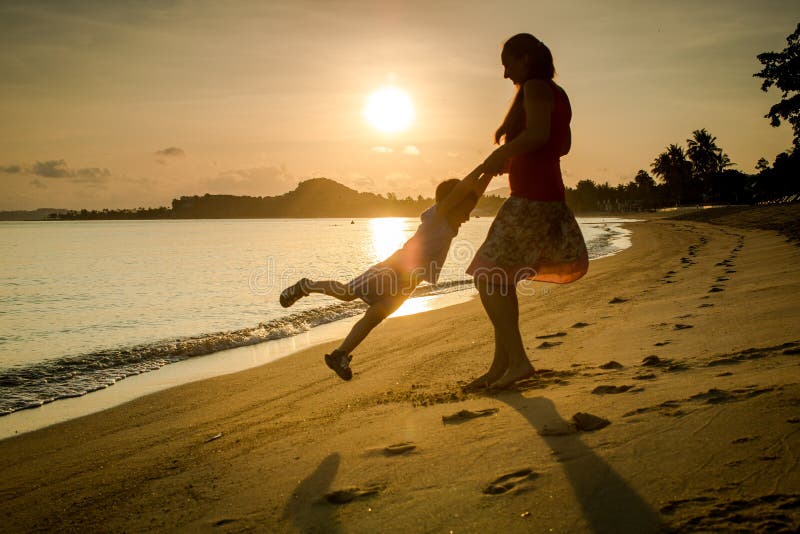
(782,71)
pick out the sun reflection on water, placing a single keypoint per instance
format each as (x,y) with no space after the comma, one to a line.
(388,235)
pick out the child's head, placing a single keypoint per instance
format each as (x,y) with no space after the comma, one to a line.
(444,188)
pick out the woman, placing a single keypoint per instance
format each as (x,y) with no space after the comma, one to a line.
(535,235)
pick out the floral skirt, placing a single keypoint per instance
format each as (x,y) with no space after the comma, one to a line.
(531,240)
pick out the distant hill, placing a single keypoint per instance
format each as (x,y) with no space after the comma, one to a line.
(30,215)
(314,198)
(502,192)
(318,197)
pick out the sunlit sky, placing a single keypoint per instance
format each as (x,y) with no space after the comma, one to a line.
(127,104)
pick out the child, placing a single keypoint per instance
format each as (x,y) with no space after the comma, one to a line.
(386,285)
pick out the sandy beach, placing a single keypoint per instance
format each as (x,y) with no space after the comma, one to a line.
(687,343)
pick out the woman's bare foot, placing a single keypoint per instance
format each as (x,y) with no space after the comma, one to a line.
(495,372)
(482,382)
(513,374)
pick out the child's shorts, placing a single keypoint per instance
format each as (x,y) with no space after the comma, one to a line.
(383,284)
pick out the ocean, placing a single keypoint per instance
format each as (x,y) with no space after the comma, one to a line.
(85,304)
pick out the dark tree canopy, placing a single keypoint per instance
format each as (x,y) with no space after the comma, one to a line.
(782,69)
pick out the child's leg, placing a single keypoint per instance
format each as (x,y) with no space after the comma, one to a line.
(374,315)
(331,288)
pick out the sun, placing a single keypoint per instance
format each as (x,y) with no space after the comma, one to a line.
(389,110)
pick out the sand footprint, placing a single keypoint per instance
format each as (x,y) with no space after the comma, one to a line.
(548,344)
(346,495)
(518,480)
(399,448)
(606,390)
(548,336)
(466,415)
(664,363)
(617,300)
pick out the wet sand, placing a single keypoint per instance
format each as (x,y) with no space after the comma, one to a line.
(681,353)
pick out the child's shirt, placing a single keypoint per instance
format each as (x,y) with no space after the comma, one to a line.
(424,253)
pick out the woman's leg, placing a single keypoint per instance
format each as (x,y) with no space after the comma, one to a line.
(502,307)
(331,288)
(496,370)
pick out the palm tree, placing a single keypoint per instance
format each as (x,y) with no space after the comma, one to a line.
(645,188)
(708,163)
(676,172)
(706,157)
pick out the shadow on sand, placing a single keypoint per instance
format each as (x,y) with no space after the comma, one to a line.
(306,507)
(608,503)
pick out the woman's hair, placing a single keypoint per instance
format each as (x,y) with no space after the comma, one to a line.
(541,68)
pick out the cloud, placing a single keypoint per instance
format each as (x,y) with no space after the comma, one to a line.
(362,183)
(411,150)
(11,169)
(171,152)
(57,168)
(382,149)
(254,181)
(91,175)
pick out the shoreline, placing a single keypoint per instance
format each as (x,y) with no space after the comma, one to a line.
(707,381)
(219,363)
(117,385)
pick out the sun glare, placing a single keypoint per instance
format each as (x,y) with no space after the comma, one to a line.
(388,235)
(389,110)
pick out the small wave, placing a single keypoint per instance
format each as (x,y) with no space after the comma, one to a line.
(613,239)
(32,386)
(74,376)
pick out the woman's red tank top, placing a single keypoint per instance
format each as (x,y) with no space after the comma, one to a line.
(537,175)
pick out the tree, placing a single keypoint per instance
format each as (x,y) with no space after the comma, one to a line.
(644,181)
(782,69)
(783,178)
(587,194)
(646,188)
(676,172)
(708,163)
(762,165)
(706,157)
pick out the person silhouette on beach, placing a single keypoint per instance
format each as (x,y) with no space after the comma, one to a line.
(386,285)
(535,235)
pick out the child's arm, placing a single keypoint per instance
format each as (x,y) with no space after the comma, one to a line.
(475,183)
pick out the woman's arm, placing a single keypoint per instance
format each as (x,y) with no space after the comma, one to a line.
(538,102)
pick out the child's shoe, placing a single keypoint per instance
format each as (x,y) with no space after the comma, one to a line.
(340,363)
(293,293)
